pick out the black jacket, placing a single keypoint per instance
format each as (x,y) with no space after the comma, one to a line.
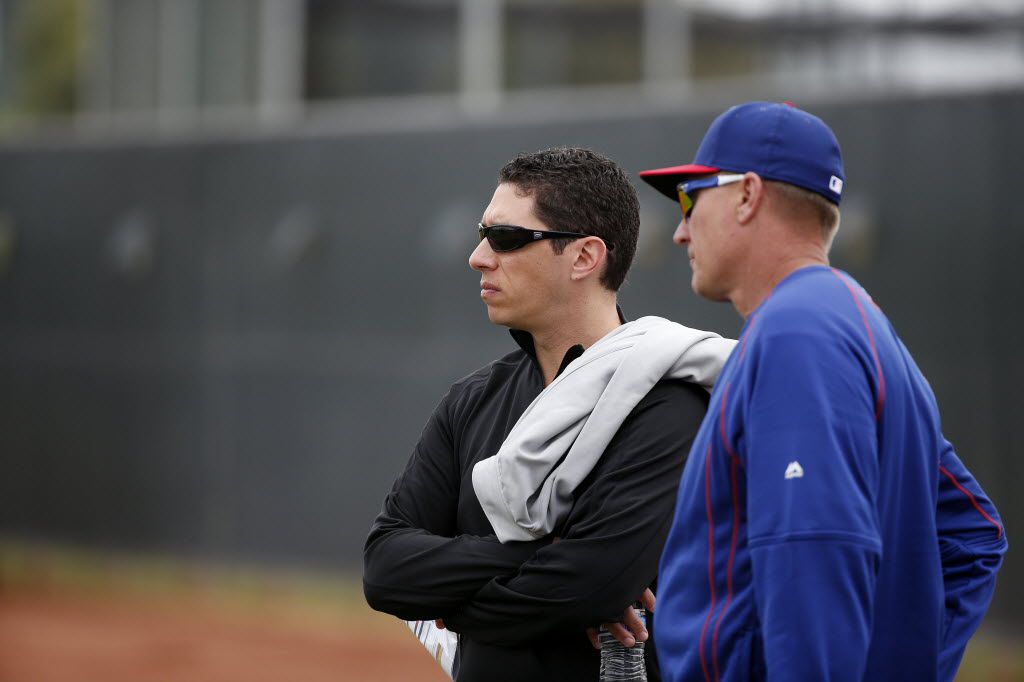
(522,608)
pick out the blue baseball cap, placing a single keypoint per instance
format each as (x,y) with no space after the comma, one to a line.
(776,141)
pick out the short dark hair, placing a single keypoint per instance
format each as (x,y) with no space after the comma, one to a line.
(579,190)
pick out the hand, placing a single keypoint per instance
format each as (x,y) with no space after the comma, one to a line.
(631,629)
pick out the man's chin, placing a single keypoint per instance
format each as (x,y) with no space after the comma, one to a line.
(499,317)
(505,318)
(704,290)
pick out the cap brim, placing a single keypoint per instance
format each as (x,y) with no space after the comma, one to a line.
(665,180)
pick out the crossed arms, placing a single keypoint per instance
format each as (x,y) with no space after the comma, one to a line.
(419,566)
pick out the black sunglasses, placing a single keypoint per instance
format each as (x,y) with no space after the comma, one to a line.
(512,237)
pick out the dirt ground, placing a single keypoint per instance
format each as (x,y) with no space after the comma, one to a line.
(78,617)
(52,634)
(49,635)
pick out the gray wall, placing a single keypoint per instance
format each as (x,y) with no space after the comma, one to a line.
(227,349)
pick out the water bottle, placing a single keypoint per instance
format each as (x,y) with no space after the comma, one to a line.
(620,663)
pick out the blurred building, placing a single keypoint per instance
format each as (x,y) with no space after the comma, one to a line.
(182,64)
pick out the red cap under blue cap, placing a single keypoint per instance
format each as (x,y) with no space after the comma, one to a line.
(776,141)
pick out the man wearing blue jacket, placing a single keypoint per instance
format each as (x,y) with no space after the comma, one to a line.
(824,528)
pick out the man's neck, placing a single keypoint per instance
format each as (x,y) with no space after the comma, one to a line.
(763,275)
(585,328)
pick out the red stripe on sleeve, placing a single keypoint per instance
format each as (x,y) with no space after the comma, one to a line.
(734,489)
(880,397)
(711,560)
(973,501)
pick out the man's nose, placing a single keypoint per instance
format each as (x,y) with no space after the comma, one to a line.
(482,257)
(682,233)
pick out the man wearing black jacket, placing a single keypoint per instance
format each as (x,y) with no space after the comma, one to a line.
(522,608)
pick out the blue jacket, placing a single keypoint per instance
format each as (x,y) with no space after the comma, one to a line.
(824,528)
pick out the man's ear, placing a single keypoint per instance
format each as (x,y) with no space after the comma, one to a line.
(752,190)
(591,255)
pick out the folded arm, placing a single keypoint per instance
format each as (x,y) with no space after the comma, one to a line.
(415,566)
(611,541)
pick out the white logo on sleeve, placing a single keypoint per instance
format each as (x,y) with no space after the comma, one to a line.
(835,184)
(794,470)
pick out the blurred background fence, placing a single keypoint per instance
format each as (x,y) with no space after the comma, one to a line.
(233,235)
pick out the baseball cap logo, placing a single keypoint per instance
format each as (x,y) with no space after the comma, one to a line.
(836,184)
